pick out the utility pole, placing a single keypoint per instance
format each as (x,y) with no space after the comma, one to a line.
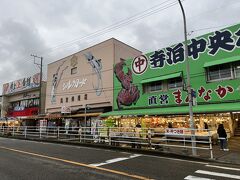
(40,92)
(189,90)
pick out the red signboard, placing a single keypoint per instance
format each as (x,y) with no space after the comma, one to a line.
(26,112)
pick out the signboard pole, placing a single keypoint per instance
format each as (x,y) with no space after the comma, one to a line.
(192,123)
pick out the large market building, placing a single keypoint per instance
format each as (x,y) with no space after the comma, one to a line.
(21,101)
(151,89)
(80,86)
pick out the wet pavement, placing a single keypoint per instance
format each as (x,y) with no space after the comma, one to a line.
(231,156)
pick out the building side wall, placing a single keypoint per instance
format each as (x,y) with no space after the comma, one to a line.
(20,96)
(123,51)
(93,80)
(24,95)
(96,83)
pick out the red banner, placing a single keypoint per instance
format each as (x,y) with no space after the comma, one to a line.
(26,112)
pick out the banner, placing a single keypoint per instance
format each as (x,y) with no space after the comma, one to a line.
(22,84)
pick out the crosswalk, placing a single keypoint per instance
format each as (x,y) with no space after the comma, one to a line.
(212,172)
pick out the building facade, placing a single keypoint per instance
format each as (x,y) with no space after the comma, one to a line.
(154,91)
(20,98)
(80,86)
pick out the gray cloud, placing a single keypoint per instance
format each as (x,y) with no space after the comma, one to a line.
(17,42)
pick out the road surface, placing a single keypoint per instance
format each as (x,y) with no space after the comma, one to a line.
(30,160)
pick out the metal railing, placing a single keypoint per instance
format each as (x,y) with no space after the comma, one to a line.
(144,138)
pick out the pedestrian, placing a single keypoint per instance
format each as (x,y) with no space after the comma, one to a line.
(170,125)
(222,136)
(205,125)
(138,136)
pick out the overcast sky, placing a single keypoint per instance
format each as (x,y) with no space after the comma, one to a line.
(55,29)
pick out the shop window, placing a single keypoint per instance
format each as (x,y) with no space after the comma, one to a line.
(66,99)
(27,103)
(61,100)
(85,96)
(36,101)
(79,97)
(175,83)
(72,98)
(15,104)
(23,103)
(237,69)
(152,87)
(219,72)
(30,103)
(74,70)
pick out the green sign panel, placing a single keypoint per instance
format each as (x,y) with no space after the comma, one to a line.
(159,78)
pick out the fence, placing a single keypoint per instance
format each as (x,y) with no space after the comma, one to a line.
(151,138)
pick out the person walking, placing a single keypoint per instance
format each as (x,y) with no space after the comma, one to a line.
(170,125)
(205,125)
(222,136)
(138,136)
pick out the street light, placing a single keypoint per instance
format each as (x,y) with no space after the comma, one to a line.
(190,102)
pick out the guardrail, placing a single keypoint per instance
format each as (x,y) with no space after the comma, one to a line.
(146,138)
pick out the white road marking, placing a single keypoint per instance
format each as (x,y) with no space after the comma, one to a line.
(218,174)
(115,160)
(196,178)
(76,163)
(221,167)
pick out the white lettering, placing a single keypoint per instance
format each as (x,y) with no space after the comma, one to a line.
(74,84)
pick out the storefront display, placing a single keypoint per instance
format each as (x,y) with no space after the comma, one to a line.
(10,122)
(160,123)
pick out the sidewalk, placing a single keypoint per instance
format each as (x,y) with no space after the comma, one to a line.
(231,156)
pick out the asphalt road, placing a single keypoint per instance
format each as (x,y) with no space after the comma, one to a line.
(23,160)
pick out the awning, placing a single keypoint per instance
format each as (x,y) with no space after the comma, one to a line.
(81,115)
(222,61)
(209,108)
(32,117)
(57,116)
(159,78)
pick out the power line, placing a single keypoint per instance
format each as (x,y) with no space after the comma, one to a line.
(121,23)
(206,28)
(117,25)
